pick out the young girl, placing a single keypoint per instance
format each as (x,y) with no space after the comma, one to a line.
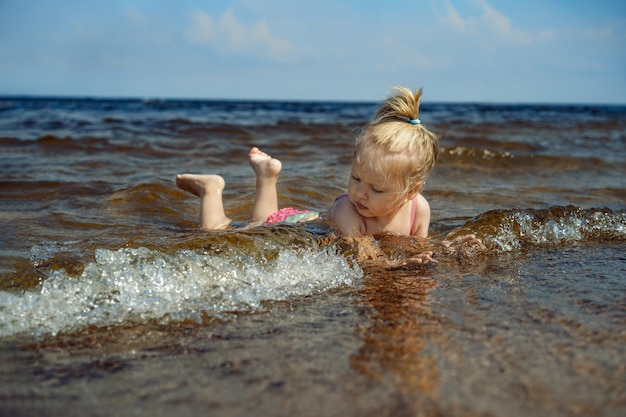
(392,158)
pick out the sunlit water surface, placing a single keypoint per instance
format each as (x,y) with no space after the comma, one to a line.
(114,302)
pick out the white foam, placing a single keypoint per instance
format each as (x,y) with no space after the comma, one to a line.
(136,285)
(565,226)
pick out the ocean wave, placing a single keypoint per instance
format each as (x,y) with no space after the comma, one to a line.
(514,229)
(519,159)
(136,285)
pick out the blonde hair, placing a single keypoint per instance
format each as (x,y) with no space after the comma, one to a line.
(396,144)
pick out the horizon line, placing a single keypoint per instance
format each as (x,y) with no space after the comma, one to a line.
(293,100)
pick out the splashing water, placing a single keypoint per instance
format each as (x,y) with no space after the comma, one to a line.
(510,230)
(136,285)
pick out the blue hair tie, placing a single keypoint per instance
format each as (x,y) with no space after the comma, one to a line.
(411,121)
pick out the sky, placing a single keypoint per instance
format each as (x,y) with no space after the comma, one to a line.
(500,51)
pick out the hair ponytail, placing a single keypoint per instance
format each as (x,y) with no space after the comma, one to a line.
(404,105)
(396,142)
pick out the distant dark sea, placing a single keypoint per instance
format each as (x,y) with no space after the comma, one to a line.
(114,302)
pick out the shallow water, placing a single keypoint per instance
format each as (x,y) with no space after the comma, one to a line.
(113,301)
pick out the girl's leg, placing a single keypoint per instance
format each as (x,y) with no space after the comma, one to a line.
(266,169)
(209,188)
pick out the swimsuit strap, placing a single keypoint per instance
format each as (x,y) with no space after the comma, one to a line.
(413,210)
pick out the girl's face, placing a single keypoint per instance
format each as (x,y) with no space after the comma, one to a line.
(372,194)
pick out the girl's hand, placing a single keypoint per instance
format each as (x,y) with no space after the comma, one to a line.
(421,259)
(467,240)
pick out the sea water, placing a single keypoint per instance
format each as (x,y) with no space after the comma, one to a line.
(114,301)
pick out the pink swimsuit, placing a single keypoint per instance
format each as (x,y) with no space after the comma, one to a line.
(292,216)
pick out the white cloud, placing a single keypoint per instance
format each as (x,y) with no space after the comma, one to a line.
(454,19)
(500,25)
(226,34)
(202,30)
(546,35)
(600,34)
(491,21)
(135,15)
(400,54)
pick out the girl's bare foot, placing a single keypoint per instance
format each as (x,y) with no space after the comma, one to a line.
(264,165)
(200,184)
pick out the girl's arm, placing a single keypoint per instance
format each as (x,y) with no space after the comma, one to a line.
(346,218)
(421,221)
